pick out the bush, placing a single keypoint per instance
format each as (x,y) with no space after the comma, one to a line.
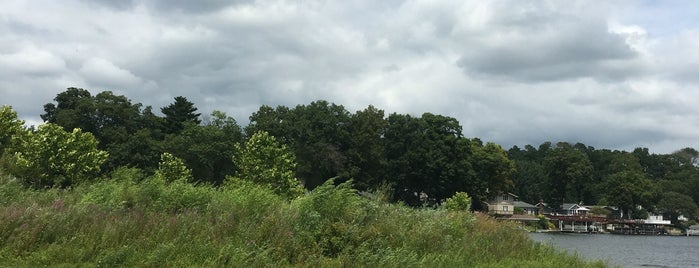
(459,202)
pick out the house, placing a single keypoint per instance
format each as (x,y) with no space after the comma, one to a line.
(502,204)
(693,230)
(573,210)
(527,208)
(656,220)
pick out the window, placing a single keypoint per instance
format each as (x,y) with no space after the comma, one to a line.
(505,197)
(505,208)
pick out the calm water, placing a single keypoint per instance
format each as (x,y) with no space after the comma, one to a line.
(628,250)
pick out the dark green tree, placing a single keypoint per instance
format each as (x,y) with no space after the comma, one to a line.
(428,156)
(674,204)
(207,149)
(629,189)
(568,170)
(178,113)
(74,108)
(492,168)
(366,154)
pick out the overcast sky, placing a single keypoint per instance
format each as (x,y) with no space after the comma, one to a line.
(610,74)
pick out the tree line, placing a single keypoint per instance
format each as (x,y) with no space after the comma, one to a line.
(636,182)
(421,160)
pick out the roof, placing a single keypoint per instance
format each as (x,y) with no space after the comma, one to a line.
(569,206)
(521,204)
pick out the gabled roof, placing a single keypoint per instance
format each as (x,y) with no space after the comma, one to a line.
(521,204)
(569,206)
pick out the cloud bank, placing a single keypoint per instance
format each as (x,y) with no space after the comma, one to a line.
(603,73)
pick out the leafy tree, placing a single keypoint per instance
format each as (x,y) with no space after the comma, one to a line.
(54,157)
(492,167)
(207,149)
(263,160)
(112,119)
(317,133)
(10,127)
(628,189)
(278,122)
(675,204)
(568,172)
(427,155)
(172,169)
(321,142)
(74,108)
(366,154)
(179,112)
(459,202)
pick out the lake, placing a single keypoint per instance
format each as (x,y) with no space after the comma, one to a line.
(628,250)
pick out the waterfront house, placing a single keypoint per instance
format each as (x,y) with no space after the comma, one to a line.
(573,210)
(693,230)
(502,204)
(527,208)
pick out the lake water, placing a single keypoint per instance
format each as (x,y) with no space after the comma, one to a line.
(628,250)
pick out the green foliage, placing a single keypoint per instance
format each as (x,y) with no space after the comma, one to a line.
(10,127)
(178,113)
(568,171)
(53,157)
(248,225)
(628,189)
(459,202)
(675,204)
(207,149)
(172,169)
(263,160)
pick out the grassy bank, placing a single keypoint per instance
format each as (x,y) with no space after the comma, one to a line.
(123,222)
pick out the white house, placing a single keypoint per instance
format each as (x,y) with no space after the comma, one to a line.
(502,204)
(573,210)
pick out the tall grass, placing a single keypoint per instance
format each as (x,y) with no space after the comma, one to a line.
(146,223)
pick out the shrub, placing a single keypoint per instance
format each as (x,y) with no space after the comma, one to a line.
(459,202)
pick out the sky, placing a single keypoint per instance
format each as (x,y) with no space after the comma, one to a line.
(611,74)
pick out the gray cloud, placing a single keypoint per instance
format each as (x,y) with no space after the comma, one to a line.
(510,72)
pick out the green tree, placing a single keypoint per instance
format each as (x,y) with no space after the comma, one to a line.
(177,113)
(10,127)
(366,154)
(675,204)
(629,189)
(264,161)
(172,169)
(112,119)
(568,172)
(74,108)
(54,157)
(207,149)
(428,156)
(492,167)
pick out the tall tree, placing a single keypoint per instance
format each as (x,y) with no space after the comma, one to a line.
(674,204)
(568,171)
(74,108)
(177,113)
(629,189)
(427,156)
(366,154)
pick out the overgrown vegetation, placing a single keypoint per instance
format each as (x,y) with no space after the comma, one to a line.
(128,220)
